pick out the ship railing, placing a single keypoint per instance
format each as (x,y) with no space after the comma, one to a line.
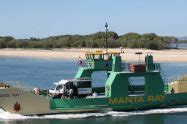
(179,78)
(19,85)
(125,65)
(174,78)
(157,67)
(171,79)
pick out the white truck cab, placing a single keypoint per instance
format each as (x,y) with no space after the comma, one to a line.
(72,88)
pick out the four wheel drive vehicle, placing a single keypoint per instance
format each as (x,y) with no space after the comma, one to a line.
(79,88)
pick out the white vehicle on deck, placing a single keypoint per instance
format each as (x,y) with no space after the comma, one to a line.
(72,88)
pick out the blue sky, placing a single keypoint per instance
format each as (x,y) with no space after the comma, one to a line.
(43,18)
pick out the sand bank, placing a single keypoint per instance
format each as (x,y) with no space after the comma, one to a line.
(73,54)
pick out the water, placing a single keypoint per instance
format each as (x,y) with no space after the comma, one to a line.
(40,72)
(180,46)
(43,72)
(156,116)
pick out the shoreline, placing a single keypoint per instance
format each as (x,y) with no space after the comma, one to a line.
(171,55)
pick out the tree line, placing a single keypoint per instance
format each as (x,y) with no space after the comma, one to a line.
(96,40)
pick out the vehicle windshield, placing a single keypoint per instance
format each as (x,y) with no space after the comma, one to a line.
(53,87)
(59,87)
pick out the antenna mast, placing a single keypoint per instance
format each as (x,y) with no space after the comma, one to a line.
(106,38)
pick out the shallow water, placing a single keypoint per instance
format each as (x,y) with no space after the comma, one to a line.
(43,72)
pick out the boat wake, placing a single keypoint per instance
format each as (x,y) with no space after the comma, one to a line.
(8,116)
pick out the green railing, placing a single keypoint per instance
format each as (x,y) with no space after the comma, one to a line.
(157,66)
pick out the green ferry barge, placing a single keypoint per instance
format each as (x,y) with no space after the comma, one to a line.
(120,93)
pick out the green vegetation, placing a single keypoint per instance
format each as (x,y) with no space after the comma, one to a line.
(97,40)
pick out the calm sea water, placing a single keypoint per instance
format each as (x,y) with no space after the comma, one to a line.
(180,46)
(43,72)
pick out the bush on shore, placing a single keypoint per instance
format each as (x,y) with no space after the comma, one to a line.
(96,40)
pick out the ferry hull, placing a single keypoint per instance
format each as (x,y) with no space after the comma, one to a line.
(23,102)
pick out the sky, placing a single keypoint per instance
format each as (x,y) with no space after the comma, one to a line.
(43,18)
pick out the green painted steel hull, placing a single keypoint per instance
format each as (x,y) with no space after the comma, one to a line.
(80,105)
(101,104)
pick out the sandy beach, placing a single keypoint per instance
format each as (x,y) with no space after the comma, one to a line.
(171,55)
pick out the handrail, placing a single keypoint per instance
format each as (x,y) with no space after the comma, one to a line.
(178,78)
(18,84)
